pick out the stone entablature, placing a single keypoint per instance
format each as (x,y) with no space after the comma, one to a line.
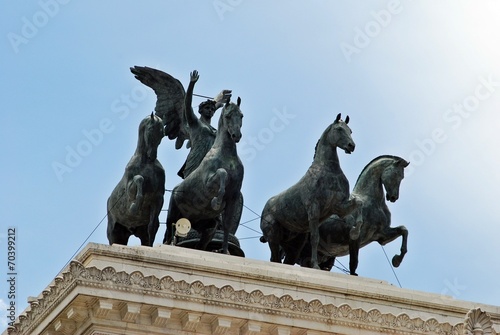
(171,290)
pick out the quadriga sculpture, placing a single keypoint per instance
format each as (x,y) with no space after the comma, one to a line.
(214,187)
(321,192)
(136,202)
(337,236)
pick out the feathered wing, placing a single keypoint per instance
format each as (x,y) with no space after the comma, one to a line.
(170,101)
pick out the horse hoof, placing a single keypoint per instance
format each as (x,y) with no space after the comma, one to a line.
(221,251)
(354,274)
(396,261)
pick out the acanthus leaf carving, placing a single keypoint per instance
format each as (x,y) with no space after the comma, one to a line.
(286,301)
(419,324)
(404,321)
(198,288)
(122,278)
(302,306)
(108,273)
(94,273)
(183,287)
(167,284)
(431,325)
(477,322)
(211,291)
(344,310)
(137,278)
(256,297)
(77,270)
(315,306)
(226,292)
(330,311)
(242,296)
(152,282)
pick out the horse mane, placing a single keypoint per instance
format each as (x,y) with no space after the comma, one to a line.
(315,149)
(317,143)
(375,160)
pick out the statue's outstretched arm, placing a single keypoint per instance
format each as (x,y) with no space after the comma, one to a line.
(223,97)
(189,113)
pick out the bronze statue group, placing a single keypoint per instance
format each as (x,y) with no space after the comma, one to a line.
(310,223)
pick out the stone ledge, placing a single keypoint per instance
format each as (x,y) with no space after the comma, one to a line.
(109,288)
(256,274)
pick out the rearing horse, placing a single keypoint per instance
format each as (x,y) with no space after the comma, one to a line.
(214,187)
(136,202)
(321,192)
(384,172)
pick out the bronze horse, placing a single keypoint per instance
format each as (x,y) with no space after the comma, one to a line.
(338,238)
(214,187)
(321,192)
(136,202)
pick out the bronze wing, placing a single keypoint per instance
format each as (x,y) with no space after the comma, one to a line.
(170,96)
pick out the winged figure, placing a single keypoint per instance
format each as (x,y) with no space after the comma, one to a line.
(173,106)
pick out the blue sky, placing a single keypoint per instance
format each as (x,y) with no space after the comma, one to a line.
(419,80)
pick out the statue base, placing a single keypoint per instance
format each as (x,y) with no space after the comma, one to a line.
(130,290)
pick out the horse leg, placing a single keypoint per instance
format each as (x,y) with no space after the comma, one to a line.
(275,248)
(231,220)
(135,193)
(271,233)
(314,243)
(142,233)
(147,232)
(218,180)
(353,256)
(389,235)
(294,248)
(154,222)
(117,234)
(236,215)
(313,214)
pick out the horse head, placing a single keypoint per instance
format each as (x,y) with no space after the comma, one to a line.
(231,120)
(151,132)
(340,135)
(392,176)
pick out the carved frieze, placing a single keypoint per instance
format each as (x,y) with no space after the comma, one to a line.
(476,323)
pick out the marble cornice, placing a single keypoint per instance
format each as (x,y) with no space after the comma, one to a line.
(169,288)
(304,279)
(154,288)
